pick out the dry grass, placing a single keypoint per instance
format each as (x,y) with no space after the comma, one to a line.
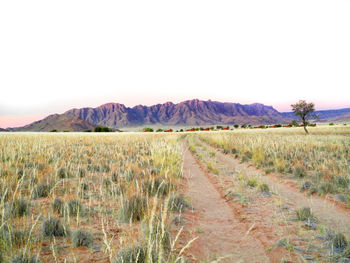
(321,157)
(70,190)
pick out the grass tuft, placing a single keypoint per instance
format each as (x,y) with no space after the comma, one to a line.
(18,208)
(73,207)
(53,228)
(25,258)
(132,209)
(58,206)
(82,239)
(304,214)
(130,254)
(41,190)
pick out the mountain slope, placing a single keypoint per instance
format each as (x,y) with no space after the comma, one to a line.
(186,113)
(191,112)
(59,122)
(326,115)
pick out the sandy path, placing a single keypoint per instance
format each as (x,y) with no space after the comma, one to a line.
(328,213)
(219,233)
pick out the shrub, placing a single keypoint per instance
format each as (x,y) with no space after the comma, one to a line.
(177,203)
(130,254)
(132,209)
(25,258)
(41,190)
(18,208)
(73,207)
(304,214)
(340,241)
(299,171)
(58,206)
(82,239)
(102,129)
(53,228)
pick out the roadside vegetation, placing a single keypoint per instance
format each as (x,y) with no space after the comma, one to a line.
(319,163)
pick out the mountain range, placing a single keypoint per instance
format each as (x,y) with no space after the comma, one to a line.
(187,113)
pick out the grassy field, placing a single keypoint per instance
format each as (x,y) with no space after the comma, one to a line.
(320,162)
(79,197)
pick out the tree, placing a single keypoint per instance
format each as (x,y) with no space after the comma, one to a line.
(304,110)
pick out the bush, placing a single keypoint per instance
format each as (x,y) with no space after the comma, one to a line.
(132,209)
(18,208)
(177,203)
(73,207)
(53,228)
(41,190)
(130,254)
(58,206)
(82,239)
(25,258)
(102,129)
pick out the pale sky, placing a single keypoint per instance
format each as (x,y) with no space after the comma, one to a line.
(57,55)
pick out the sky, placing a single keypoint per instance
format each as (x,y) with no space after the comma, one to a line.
(58,55)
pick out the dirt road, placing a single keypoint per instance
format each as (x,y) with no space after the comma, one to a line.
(221,236)
(327,211)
